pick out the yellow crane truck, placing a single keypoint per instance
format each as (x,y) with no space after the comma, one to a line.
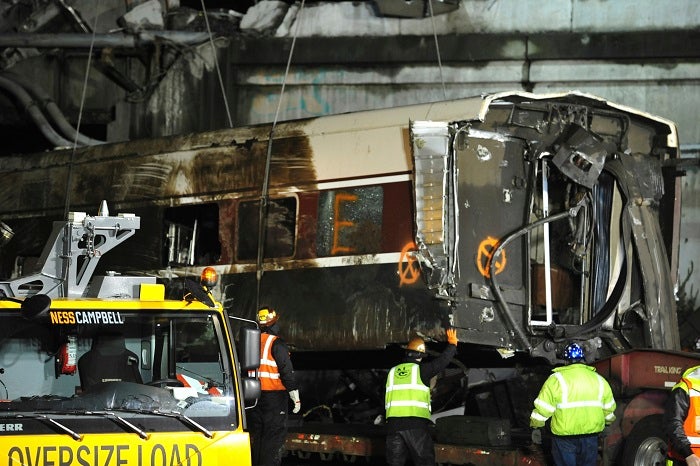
(105,371)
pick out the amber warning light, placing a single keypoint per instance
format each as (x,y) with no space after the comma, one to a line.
(208,277)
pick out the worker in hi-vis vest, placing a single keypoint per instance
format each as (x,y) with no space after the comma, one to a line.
(580,403)
(407,403)
(267,421)
(682,420)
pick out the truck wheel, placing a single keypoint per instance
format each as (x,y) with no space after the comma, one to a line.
(646,444)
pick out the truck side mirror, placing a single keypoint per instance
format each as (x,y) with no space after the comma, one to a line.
(249,360)
(250,349)
(251,391)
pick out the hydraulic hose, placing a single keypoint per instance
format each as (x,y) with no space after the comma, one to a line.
(34,113)
(53,111)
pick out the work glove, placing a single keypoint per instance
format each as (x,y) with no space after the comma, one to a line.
(451,336)
(294,395)
(536,436)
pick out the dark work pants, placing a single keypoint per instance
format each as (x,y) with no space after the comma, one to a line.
(267,423)
(416,444)
(575,451)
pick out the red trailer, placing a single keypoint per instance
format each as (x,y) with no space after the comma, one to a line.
(641,381)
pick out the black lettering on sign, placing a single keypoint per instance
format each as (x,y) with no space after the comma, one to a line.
(106,455)
(158,449)
(82,455)
(65,456)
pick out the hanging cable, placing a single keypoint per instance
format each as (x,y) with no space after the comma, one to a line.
(262,215)
(216,63)
(69,181)
(437,48)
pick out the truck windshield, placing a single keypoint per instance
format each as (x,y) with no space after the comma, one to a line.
(164,367)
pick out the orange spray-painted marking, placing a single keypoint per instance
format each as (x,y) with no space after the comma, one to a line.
(484,257)
(409,272)
(339,223)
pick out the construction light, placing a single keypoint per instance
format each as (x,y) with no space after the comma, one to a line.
(209,277)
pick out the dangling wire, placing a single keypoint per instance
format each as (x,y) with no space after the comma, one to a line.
(437,48)
(262,215)
(216,63)
(69,181)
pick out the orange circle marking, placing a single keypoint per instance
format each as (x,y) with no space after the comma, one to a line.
(484,257)
(409,271)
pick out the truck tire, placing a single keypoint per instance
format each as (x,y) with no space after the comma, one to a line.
(646,444)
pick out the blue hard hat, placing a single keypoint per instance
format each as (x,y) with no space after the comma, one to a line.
(573,352)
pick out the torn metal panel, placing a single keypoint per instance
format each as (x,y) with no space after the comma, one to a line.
(580,155)
(434,186)
(544,193)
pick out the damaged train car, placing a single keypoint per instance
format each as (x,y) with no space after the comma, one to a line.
(526,221)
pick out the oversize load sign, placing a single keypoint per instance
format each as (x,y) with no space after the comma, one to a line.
(160,449)
(103,455)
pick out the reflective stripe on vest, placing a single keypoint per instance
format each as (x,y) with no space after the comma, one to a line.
(691,426)
(406,394)
(577,399)
(268,373)
(565,403)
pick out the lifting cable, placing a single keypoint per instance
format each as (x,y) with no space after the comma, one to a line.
(437,49)
(69,181)
(216,63)
(264,197)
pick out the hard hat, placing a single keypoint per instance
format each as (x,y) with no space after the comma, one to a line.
(416,344)
(267,316)
(573,352)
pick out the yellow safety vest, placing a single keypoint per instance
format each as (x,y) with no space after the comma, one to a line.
(578,400)
(406,394)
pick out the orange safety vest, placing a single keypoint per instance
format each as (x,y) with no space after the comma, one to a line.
(691,425)
(268,373)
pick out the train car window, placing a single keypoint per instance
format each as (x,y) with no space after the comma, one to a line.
(191,235)
(280,231)
(350,221)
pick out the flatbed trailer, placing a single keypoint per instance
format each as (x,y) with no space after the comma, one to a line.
(641,381)
(352,443)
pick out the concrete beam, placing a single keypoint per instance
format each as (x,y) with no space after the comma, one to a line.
(461,48)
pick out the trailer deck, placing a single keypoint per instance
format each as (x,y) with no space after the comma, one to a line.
(350,442)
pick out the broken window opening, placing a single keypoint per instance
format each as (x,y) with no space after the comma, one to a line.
(280,229)
(191,235)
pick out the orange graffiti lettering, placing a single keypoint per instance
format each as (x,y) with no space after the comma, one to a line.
(484,257)
(409,271)
(339,223)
